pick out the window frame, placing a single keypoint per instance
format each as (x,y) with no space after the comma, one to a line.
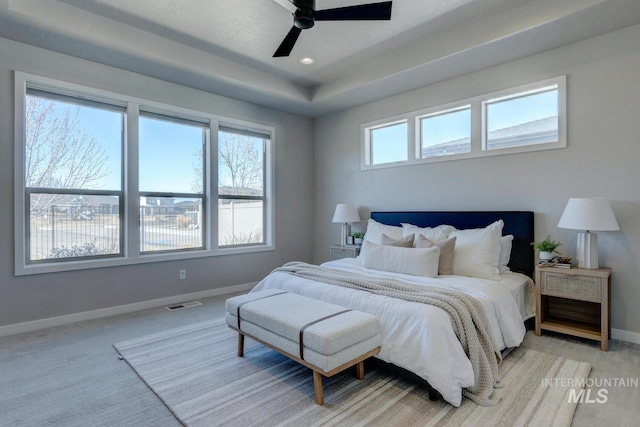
(27,223)
(204,125)
(440,111)
(263,198)
(478,126)
(367,149)
(522,91)
(87,101)
(130,205)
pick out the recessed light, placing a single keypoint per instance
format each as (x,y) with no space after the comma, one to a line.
(307,61)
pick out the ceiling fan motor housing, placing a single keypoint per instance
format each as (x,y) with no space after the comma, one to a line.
(304,17)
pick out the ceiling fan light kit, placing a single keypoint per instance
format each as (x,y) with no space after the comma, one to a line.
(306,14)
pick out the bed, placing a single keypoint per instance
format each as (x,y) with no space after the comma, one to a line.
(419,338)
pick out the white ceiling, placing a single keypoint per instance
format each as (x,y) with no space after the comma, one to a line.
(226,46)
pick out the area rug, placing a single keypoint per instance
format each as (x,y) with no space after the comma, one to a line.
(196,372)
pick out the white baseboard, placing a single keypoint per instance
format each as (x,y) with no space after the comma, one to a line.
(619,334)
(35,325)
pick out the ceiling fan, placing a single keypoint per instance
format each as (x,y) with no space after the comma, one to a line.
(305,14)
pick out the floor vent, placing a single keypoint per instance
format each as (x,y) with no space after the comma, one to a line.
(184,305)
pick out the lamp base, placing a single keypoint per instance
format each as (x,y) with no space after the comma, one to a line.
(346,230)
(587,250)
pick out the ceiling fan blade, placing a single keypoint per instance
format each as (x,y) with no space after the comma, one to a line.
(289,41)
(363,12)
(287,5)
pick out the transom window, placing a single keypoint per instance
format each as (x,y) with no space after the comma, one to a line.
(530,117)
(446,133)
(107,180)
(388,143)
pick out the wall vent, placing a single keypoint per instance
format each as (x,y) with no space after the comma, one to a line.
(183,305)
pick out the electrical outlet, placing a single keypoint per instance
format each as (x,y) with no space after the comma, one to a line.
(183,274)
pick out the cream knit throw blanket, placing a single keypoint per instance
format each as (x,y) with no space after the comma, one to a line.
(467,316)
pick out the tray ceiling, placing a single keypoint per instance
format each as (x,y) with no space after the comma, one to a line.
(226,47)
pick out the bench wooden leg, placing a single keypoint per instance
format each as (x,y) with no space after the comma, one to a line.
(317,385)
(240,345)
(360,370)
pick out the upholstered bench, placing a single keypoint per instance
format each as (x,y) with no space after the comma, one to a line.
(326,338)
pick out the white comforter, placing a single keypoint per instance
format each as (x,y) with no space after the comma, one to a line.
(415,336)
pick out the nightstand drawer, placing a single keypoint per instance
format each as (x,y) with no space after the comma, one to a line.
(583,288)
(342,253)
(339,252)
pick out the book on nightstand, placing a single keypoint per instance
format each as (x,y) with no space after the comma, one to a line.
(557,262)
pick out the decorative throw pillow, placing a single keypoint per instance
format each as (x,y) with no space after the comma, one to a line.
(416,262)
(434,234)
(505,253)
(447,246)
(477,251)
(405,242)
(375,230)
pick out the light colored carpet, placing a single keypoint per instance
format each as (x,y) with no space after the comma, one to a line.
(195,371)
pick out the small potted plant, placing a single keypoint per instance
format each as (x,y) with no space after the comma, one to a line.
(547,248)
(357,238)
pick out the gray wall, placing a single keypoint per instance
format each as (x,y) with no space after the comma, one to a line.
(603,89)
(42,296)
(601,160)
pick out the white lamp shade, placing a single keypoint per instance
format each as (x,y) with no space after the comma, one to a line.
(594,214)
(346,212)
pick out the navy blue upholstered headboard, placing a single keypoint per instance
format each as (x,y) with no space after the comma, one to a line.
(518,223)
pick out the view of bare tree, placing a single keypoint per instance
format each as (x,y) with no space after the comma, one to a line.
(58,151)
(196,180)
(255,236)
(241,163)
(241,166)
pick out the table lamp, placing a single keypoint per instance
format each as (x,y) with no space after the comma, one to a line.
(588,214)
(345,213)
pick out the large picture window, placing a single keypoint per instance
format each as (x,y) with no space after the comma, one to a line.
(73,177)
(171,177)
(103,179)
(241,178)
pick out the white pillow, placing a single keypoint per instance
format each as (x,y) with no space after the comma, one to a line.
(434,234)
(417,262)
(505,253)
(375,230)
(477,251)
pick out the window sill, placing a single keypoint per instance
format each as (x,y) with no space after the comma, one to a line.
(22,270)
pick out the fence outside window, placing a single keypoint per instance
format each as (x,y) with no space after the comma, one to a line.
(85,230)
(74,230)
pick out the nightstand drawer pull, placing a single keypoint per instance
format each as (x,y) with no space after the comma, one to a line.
(583,288)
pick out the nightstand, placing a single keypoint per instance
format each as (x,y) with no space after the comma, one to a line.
(339,252)
(574,301)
